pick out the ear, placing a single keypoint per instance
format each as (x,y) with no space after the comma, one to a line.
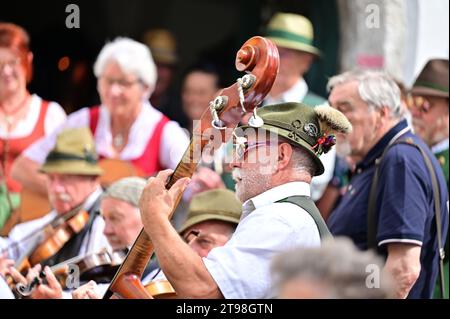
(284,155)
(30,58)
(147,91)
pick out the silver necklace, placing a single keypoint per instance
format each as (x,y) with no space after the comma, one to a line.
(118,140)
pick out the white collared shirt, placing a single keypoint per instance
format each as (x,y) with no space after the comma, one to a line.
(173,140)
(295,94)
(91,244)
(54,118)
(241,268)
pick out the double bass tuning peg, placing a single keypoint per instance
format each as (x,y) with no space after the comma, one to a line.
(215,106)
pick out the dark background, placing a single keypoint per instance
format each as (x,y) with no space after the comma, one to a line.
(204,29)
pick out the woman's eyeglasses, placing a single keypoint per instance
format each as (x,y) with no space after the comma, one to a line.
(11,63)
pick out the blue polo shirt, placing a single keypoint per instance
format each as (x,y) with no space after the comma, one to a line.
(404,204)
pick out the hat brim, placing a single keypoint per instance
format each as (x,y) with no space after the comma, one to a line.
(300,143)
(422,90)
(71,167)
(206,217)
(289,44)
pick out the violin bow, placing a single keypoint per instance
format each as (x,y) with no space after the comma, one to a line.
(259,58)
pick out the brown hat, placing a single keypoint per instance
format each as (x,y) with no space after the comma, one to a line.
(433,80)
(216,204)
(74,153)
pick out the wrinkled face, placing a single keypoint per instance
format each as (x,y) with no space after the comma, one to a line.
(365,122)
(204,236)
(67,191)
(430,118)
(253,166)
(12,72)
(199,89)
(122,222)
(122,93)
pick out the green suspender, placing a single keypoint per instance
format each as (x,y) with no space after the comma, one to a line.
(308,205)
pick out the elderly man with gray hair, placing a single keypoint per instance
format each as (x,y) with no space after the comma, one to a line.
(396,199)
(125,125)
(335,270)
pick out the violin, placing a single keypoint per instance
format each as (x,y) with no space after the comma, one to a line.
(57,237)
(35,205)
(99,267)
(259,58)
(50,238)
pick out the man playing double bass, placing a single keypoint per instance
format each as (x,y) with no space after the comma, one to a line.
(278,213)
(73,186)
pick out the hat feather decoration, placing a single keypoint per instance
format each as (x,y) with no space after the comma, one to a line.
(331,121)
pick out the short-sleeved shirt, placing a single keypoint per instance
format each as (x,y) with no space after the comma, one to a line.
(241,268)
(404,204)
(172,147)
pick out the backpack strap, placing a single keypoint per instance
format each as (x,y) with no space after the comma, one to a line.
(372,227)
(308,205)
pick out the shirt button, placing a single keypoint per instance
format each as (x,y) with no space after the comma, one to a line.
(359,171)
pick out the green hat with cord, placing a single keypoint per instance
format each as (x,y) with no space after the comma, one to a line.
(310,128)
(217,204)
(74,153)
(292,31)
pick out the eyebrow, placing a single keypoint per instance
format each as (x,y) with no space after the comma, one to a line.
(114,212)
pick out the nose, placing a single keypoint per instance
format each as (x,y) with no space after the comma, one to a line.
(236,162)
(415,112)
(115,89)
(56,185)
(108,230)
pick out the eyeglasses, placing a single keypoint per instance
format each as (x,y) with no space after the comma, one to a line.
(418,103)
(125,84)
(241,148)
(11,63)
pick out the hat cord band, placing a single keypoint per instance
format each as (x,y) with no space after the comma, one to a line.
(219,213)
(289,36)
(308,139)
(58,156)
(431,85)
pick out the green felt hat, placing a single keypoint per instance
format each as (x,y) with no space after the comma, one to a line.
(74,153)
(216,204)
(292,31)
(310,128)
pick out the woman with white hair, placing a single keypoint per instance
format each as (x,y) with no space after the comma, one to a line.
(125,125)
